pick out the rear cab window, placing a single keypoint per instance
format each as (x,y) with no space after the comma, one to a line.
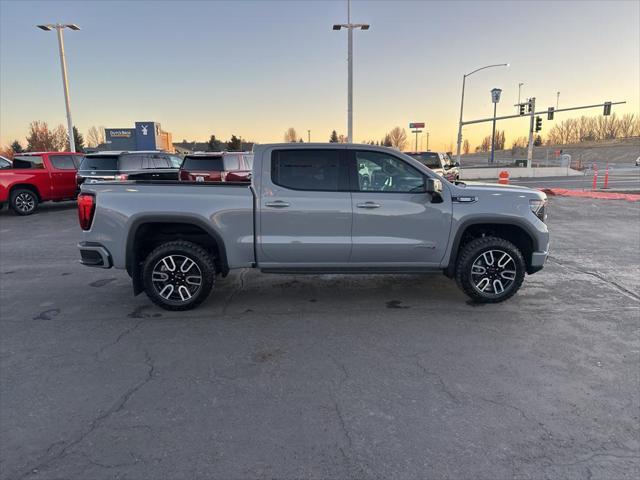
(103,163)
(428,159)
(319,170)
(28,162)
(63,162)
(203,163)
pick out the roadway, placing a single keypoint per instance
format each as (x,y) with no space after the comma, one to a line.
(619,179)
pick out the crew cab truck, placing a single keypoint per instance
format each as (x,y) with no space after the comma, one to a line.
(309,210)
(38,177)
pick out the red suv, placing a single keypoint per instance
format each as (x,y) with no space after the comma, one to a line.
(217,167)
(37,177)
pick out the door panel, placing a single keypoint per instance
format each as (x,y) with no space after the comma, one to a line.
(63,176)
(304,218)
(395,223)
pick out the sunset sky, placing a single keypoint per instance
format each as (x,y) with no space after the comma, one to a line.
(255,68)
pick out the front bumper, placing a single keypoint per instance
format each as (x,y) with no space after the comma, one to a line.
(538,260)
(94,255)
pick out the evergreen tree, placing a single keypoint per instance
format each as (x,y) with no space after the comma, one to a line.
(334,137)
(78,139)
(234,144)
(214,145)
(16,147)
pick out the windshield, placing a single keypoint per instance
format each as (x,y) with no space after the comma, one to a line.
(210,164)
(428,159)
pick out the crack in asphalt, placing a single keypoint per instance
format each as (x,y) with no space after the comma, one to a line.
(95,423)
(616,286)
(237,290)
(443,386)
(122,334)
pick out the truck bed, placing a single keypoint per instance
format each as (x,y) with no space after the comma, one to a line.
(123,206)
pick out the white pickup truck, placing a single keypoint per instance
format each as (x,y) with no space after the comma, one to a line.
(315,208)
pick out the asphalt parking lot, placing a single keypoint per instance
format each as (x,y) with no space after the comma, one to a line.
(324,376)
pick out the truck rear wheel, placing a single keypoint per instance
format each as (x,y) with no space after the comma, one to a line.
(23,201)
(490,269)
(178,275)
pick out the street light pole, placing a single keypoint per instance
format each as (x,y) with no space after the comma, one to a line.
(350,27)
(308,136)
(557,100)
(65,82)
(519,90)
(464,78)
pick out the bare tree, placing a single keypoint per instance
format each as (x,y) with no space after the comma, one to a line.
(398,137)
(61,139)
(95,137)
(40,138)
(290,135)
(626,124)
(466,147)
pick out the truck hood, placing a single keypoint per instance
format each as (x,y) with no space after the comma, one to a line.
(480,188)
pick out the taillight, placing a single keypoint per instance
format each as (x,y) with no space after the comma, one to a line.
(122,177)
(86,208)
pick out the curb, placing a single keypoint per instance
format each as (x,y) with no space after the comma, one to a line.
(629,197)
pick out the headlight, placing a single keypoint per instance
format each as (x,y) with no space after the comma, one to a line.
(539,208)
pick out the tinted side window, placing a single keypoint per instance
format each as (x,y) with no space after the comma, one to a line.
(159,161)
(381,172)
(309,170)
(28,161)
(63,162)
(4,163)
(130,162)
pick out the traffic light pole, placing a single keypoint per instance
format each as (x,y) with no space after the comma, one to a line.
(531,124)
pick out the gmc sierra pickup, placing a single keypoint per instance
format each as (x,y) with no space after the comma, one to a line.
(315,208)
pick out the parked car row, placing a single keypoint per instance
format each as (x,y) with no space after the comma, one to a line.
(33,178)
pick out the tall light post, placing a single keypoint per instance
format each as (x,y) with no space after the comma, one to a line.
(350,27)
(63,65)
(495,98)
(519,90)
(557,100)
(308,136)
(464,78)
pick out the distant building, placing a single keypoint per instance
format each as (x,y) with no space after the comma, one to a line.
(145,136)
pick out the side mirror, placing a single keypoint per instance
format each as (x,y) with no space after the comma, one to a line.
(433,186)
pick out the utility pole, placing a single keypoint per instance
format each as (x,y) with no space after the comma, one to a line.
(427,141)
(65,81)
(557,100)
(308,136)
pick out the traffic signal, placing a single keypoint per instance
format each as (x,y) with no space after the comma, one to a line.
(538,124)
(522,109)
(550,112)
(530,105)
(607,108)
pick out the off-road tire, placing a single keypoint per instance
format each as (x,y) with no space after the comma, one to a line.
(178,279)
(23,201)
(471,252)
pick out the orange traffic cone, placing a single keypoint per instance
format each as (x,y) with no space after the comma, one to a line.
(503,178)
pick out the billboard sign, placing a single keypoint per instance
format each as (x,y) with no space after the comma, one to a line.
(416,125)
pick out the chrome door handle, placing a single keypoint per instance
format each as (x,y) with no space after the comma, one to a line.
(277,204)
(368,205)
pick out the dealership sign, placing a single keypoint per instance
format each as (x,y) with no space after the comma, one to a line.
(120,133)
(416,125)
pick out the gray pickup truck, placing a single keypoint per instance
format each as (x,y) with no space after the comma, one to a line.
(315,208)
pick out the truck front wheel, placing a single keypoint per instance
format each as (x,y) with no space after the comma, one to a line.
(178,275)
(23,201)
(490,269)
